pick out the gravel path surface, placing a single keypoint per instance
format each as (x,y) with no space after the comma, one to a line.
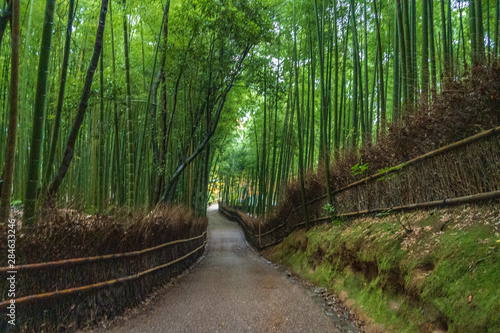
(232,290)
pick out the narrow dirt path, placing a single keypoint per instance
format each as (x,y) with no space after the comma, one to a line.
(232,290)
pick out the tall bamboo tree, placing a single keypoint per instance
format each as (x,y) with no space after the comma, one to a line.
(403,52)
(479,31)
(82,107)
(128,104)
(432,49)
(380,68)
(299,124)
(60,102)
(39,117)
(473,30)
(5,192)
(425,52)
(324,156)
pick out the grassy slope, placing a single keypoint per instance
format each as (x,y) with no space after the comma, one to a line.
(444,275)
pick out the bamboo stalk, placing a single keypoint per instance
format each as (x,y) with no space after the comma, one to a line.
(44,296)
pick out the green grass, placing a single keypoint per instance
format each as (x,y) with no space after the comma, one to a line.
(466,268)
(442,280)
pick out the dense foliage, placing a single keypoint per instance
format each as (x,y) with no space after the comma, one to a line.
(119,101)
(128,103)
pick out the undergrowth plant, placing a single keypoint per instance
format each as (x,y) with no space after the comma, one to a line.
(359,168)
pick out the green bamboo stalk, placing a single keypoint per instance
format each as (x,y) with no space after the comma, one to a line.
(11,136)
(60,102)
(324,156)
(425,52)
(473,30)
(70,145)
(479,31)
(101,184)
(128,104)
(39,117)
(299,125)
(381,69)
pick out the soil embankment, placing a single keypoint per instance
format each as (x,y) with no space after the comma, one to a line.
(425,271)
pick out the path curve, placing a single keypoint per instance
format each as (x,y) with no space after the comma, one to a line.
(231,290)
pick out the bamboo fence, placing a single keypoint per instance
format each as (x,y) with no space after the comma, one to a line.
(462,172)
(77,292)
(53,294)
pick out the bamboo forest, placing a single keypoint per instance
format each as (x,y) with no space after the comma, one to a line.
(352,142)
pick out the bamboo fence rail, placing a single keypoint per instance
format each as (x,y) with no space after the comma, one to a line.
(65,292)
(68,262)
(446,202)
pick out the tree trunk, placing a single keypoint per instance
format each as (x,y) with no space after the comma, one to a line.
(463,35)
(163,144)
(128,104)
(396,78)
(60,102)
(262,178)
(497,19)
(408,52)
(473,31)
(324,156)
(355,60)
(10,150)
(101,185)
(489,33)
(432,50)
(450,42)
(425,53)
(479,31)
(30,213)
(336,86)
(299,125)
(403,52)
(118,188)
(380,69)
(82,108)
(444,41)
